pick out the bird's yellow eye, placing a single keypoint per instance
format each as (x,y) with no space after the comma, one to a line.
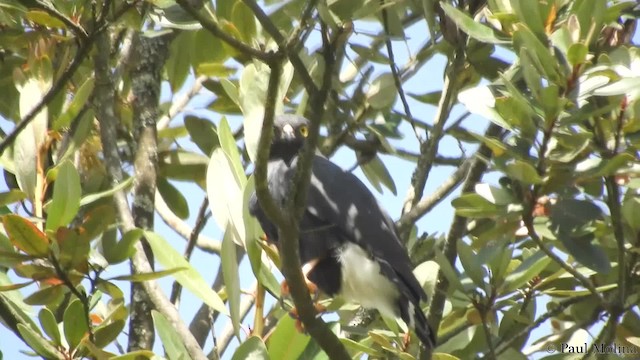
(304,130)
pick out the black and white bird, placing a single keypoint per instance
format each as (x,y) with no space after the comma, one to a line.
(348,243)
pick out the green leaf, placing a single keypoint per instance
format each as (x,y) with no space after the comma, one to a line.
(474,29)
(179,63)
(431,97)
(530,267)
(447,270)
(472,205)
(480,100)
(105,334)
(176,202)
(146,276)
(189,278)
(231,277)
(377,173)
(541,55)
(529,13)
(523,172)
(251,349)
(80,99)
(215,70)
(203,133)
(570,220)
(230,148)
(630,212)
(29,140)
(286,343)
(470,263)
(12,287)
(495,195)
(252,246)
(50,325)
(252,97)
(136,355)
(170,338)
(40,345)
(182,165)
(44,19)
(74,250)
(117,252)
(621,87)
(26,236)
(224,184)
(382,92)
(594,167)
(74,323)
(356,346)
(577,54)
(11,196)
(243,19)
(204,43)
(97,196)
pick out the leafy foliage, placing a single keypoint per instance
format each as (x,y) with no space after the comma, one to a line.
(550,235)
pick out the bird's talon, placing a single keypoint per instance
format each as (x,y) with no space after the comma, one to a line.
(406,339)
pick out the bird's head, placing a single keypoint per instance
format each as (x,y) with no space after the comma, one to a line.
(289,135)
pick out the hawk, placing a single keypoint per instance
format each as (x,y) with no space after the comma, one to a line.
(348,242)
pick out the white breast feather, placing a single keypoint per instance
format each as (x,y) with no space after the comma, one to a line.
(363,283)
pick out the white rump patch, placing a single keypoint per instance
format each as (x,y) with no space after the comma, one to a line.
(363,283)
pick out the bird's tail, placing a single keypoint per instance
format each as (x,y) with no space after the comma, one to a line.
(413,316)
(422,329)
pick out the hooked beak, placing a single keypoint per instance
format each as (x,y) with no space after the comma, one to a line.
(288,133)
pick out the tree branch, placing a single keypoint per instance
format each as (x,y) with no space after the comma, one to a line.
(104,103)
(458,228)
(203,242)
(201,221)
(180,103)
(429,148)
(214,29)
(394,70)
(288,46)
(428,203)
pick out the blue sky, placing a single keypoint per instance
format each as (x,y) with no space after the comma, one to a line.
(437,221)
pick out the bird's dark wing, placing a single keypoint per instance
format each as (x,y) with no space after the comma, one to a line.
(340,198)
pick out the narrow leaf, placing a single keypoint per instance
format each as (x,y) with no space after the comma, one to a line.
(170,338)
(189,278)
(26,236)
(147,276)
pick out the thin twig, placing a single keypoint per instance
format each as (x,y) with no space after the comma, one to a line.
(503,344)
(203,242)
(214,29)
(55,89)
(224,338)
(201,221)
(428,203)
(62,275)
(458,229)
(394,70)
(180,103)
(288,46)
(429,148)
(77,30)
(527,218)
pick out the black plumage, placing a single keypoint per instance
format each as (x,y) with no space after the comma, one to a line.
(345,232)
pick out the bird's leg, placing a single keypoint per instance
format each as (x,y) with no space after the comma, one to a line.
(306,269)
(313,290)
(299,325)
(406,339)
